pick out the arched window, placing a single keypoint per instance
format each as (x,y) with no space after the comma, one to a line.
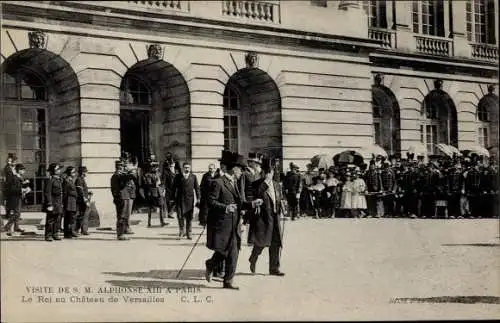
(480,21)
(386,118)
(134,92)
(135,117)
(231,103)
(429,128)
(428,17)
(23,119)
(486,120)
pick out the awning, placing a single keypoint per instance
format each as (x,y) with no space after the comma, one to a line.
(371,151)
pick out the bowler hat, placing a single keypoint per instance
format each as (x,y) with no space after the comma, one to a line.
(19,167)
(53,167)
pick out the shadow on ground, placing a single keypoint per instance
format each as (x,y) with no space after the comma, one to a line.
(187,274)
(450,299)
(472,245)
(155,284)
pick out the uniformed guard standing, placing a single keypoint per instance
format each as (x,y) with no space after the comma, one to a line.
(373,182)
(83,202)
(292,186)
(455,190)
(129,192)
(118,191)
(53,202)
(154,191)
(15,190)
(70,196)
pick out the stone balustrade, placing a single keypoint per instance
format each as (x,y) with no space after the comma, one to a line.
(487,52)
(261,11)
(171,5)
(387,37)
(433,45)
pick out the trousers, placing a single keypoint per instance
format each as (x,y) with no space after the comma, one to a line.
(82,218)
(230,260)
(69,222)
(52,224)
(121,219)
(185,221)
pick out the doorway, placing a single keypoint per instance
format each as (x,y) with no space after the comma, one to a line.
(135,133)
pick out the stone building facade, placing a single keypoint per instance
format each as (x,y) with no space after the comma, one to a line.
(84,80)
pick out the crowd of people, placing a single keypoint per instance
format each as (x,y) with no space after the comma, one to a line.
(443,187)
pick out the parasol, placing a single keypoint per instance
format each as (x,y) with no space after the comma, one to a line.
(418,149)
(322,161)
(468,149)
(349,157)
(373,150)
(445,149)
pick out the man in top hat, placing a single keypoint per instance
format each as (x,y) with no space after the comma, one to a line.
(82,201)
(186,196)
(223,221)
(292,186)
(15,189)
(266,224)
(168,176)
(53,203)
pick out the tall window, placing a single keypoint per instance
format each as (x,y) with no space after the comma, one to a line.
(429,128)
(484,125)
(480,21)
(231,102)
(23,127)
(428,17)
(377,13)
(134,92)
(377,119)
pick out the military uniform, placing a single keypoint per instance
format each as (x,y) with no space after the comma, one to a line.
(408,186)
(70,196)
(388,186)
(83,202)
(53,204)
(153,192)
(373,182)
(292,185)
(455,187)
(473,191)
(119,192)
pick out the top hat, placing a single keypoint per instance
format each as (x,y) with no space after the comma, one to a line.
(11,156)
(226,157)
(410,155)
(82,169)
(267,164)
(255,157)
(238,160)
(19,167)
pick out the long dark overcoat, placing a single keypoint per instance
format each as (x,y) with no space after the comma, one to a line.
(263,223)
(184,193)
(222,226)
(54,195)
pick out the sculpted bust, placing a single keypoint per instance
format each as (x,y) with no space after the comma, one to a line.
(251,59)
(37,39)
(155,51)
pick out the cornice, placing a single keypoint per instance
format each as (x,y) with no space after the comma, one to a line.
(78,13)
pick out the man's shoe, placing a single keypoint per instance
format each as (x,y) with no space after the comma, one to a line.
(129,232)
(19,230)
(49,239)
(122,238)
(56,238)
(208,271)
(75,235)
(230,286)
(85,233)
(252,267)
(276,273)
(189,237)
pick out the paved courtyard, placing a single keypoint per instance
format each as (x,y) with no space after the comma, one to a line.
(336,269)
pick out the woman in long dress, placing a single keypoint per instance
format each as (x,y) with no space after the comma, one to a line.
(346,196)
(358,202)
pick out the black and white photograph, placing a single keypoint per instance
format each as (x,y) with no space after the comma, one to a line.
(249,160)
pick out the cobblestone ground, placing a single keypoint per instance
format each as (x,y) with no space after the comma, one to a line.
(336,269)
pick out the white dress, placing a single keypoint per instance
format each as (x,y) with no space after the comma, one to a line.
(358,198)
(346,196)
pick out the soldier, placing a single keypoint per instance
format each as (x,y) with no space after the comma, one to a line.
(223,221)
(206,182)
(168,176)
(186,196)
(293,187)
(455,187)
(120,193)
(70,196)
(154,191)
(15,190)
(473,189)
(388,187)
(409,189)
(83,202)
(53,202)
(373,182)
(129,192)
(266,230)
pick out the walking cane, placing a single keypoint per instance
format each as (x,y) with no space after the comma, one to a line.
(192,249)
